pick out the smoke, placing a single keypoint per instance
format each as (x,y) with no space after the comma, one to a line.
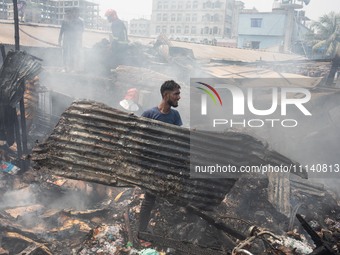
(314,141)
(16,198)
(72,199)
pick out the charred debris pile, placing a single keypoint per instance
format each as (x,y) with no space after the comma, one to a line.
(245,215)
(82,195)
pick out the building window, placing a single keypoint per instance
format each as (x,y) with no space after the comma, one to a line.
(179,17)
(165,5)
(217,4)
(186,30)
(159,17)
(188,5)
(216,17)
(164,29)
(255,45)
(215,30)
(180,5)
(173,17)
(207,5)
(187,17)
(158,29)
(206,17)
(172,30)
(159,5)
(193,30)
(206,30)
(227,31)
(256,22)
(165,17)
(195,5)
(194,17)
(178,30)
(173,5)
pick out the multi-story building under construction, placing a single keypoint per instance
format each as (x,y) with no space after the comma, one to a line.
(53,11)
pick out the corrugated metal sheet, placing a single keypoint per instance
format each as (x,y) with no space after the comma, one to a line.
(253,72)
(96,143)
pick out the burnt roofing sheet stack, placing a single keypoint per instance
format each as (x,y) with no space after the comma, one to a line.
(94,142)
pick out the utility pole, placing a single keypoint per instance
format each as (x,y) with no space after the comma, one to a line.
(289,29)
(16,25)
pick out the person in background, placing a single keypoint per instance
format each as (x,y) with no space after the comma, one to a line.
(119,32)
(70,38)
(130,102)
(170,92)
(118,38)
(21,9)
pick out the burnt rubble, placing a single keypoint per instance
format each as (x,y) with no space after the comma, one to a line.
(46,214)
(93,142)
(204,229)
(83,194)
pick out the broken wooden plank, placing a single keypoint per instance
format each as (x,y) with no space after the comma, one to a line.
(279,192)
(179,246)
(32,244)
(24,210)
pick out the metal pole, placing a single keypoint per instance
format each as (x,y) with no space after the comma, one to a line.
(18,140)
(289,29)
(16,25)
(23,126)
(24,162)
(3,52)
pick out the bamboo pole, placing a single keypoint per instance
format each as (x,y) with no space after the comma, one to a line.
(16,25)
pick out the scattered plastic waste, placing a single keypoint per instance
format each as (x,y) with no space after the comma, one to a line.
(149,252)
(8,167)
(298,246)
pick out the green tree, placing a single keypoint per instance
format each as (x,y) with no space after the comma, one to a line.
(327,37)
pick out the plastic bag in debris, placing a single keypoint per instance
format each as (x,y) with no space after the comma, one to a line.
(9,168)
(301,247)
(149,252)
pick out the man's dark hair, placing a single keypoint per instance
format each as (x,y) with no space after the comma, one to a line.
(169,86)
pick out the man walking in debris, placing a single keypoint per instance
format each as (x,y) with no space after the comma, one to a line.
(119,38)
(70,38)
(170,92)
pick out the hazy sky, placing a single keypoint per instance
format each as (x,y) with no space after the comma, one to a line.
(128,9)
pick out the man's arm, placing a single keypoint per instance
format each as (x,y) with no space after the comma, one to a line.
(146,114)
(125,33)
(178,119)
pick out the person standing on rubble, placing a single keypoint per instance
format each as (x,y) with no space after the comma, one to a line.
(21,9)
(119,32)
(70,38)
(170,92)
(118,38)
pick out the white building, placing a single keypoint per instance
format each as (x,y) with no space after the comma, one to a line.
(204,21)
(279,30)
(139,27)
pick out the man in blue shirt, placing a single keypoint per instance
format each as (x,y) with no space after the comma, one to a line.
(170,92)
